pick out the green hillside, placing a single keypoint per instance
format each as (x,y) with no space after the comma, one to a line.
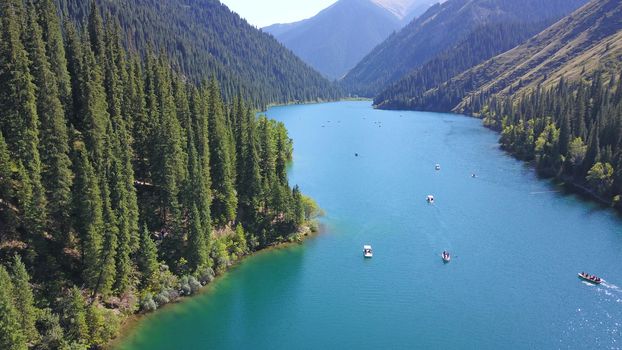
(203,39)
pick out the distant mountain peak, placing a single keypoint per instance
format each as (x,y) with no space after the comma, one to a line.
(335,40)
(400,8)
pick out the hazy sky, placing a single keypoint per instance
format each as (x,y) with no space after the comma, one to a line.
(262,13)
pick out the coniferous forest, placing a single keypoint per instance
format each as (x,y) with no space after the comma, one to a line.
(123,184)
(203,37)
(572,131)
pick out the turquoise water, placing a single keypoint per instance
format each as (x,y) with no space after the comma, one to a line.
(518,243)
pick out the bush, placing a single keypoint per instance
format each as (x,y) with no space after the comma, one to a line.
(173,295)
(206,275)
(103,325)
(184,286)
(48,325)
(311,209)
(162,298)
(253,243)
(195,286)
(601,177)
(167,279)
(220,256)
(147,304)
(315,227)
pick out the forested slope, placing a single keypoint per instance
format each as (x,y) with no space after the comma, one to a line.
(203,38)
(123,186)
(561,106)
(439,29)
(482,44)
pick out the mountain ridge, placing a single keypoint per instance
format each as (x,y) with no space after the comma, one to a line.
(483,43)
(560,51)
(336,38)
(438,29)
(574,47)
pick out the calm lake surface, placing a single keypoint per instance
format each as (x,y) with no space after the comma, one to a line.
(518,244)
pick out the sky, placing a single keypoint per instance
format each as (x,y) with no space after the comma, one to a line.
(263,13)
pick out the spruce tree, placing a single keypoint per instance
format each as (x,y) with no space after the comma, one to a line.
(54,47)
(11,333)
(24,299)
(299,211)
(96,32)
(167,167)
(124,233)
(240,129)
(564,134)
(87,213)
(107,257)
(94,116)
(141,128)
(197,245)
(75,55)
(250,190)
(74,317)
(147,259)
(267,155)
(7,214)
(224,200)
(202,171)
(54,144)
(121,175)
(19,123)
(592,155)
(283,147)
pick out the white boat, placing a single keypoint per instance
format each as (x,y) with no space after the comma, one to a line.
(446,257)
(367,251)
(430,199)
(437,167)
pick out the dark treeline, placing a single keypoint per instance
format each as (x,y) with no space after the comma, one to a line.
(572,131)
(203,37)
(122,186)
(417,91)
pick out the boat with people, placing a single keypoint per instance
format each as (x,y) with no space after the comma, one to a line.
(430,199)
(367,251)
(590,278)
(446,256)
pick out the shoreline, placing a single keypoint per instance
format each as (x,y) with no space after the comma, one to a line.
(570,186)
(132,322)
(303,103)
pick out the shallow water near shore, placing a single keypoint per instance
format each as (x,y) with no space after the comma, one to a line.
(517,241)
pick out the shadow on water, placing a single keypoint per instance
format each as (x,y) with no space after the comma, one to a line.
(230,313)
(518,244)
